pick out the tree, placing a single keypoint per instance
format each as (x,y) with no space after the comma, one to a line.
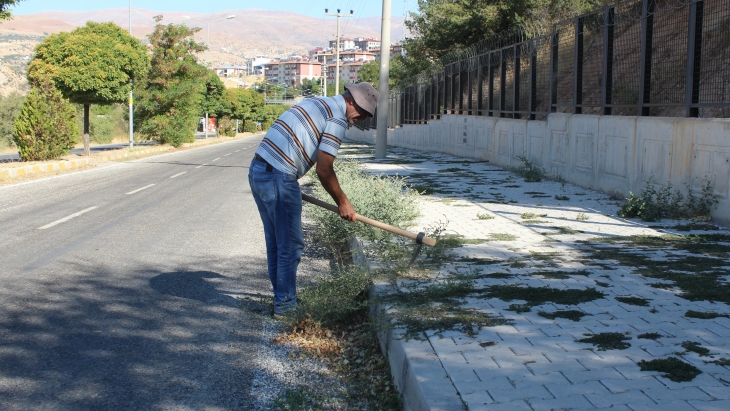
(443,26)
(10,106)
(246,104)
(311,87)
(46,126)
(93,64)
(213,102)
(4,12)
(370,72)
(170,96)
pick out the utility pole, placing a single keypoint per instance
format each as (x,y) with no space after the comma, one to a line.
(381,137)
(337,47)
(131,92)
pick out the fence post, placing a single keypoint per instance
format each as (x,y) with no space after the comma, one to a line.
(532,95)
(480,83)
(647,32)
(607,81)
(502,83)
(694,54)
(554,70)
(443,92)
(490,88)
(578,65)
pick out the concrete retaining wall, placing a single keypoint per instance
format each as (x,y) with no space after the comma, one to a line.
(612,154)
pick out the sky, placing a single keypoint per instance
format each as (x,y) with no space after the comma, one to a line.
(315,8)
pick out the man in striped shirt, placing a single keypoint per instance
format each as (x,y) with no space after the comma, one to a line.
(307,134)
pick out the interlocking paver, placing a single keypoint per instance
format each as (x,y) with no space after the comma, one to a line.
(537,354)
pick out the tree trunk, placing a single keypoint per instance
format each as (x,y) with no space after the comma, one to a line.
(87,152)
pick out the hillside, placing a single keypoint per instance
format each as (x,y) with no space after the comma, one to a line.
(253,32)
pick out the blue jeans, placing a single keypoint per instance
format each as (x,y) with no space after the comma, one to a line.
(279,200)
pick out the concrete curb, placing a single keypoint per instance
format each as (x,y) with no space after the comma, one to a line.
(9,173)
(417,371)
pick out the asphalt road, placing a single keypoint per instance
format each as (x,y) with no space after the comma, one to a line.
(122,287)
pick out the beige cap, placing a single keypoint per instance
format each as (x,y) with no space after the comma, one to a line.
(365,96)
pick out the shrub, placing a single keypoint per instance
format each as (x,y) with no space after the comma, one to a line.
(227,127)
(46,126)
(249,126)
(529,171)
(9,109)
(384,198)
(101,129)
(653,204)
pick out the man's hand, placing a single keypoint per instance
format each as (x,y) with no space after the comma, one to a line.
(326,174)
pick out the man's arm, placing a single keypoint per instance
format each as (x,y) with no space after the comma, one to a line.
(326,174)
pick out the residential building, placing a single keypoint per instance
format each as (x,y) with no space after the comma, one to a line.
(345,44)
(291,72)
(230,71)
(367,44)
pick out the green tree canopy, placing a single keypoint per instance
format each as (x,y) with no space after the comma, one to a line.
(245,103)
(4,12)
(169,97)
(93,64)
(213,102)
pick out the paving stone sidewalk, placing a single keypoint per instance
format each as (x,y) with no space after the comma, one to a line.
(536,363)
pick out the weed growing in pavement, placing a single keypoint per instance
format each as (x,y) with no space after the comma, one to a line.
(707,315)
(528,222)
(573,315)
(699,277)
(519,308)
(695,347)
(541,295)
(653,204)
(452,170)
(455,240)
(529,171)
(534,193)
(722,361)
(602,284)
(562,230)
(527,216)
(485,216)
(649,336)
(560,274)
(502,237)
(608,341)
(641,302)
(673,368)
(562,198)
(582,217)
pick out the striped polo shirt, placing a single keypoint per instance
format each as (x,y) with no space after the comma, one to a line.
(293,141)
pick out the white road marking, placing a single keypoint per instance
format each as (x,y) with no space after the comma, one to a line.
(217,159)
(178,174)
(237,151)
(227,155)
(63,220)
(201,165)
(140,189)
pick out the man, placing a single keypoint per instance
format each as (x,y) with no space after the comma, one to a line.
(307,134)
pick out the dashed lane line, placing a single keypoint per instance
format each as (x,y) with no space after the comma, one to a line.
(202,165)
(63,220)
(140,189)
(178,174)
(217,159)
(227,155)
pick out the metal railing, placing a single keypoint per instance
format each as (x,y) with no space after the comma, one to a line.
(636,58)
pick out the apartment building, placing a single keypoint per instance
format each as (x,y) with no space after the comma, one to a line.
(291,72)
(367,44)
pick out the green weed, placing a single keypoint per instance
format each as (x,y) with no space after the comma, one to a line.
(562,198)
(653,204)
(519,308)
(641,302)
(673,368)
(502,237)
(695,347)
(485,216)
(573,315)
(529,171)
(649,336)
(527,216)
(541,295)
(582,217)
(608,341)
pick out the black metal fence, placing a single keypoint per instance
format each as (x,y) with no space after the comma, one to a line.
(637,58)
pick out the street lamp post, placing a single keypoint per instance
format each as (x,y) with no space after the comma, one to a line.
(337,47)
(207,42)
(207,51)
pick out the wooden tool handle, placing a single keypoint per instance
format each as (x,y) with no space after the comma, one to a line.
(375,223)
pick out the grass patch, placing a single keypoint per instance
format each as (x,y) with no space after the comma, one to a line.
(695,227)
(560,275)
(527,216)
(582,217)
(695,347)
(573,315)
(519,308)
(562,230)
(496,275)
(528,222)
(641,302)
(455,240)
(530,172)
(608,341)
(649,336)
(502,237)
(706,315)
(477,260)
(722,361)
(562,198)
(673,368)
(301,399)
(485,216)
(540,295)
